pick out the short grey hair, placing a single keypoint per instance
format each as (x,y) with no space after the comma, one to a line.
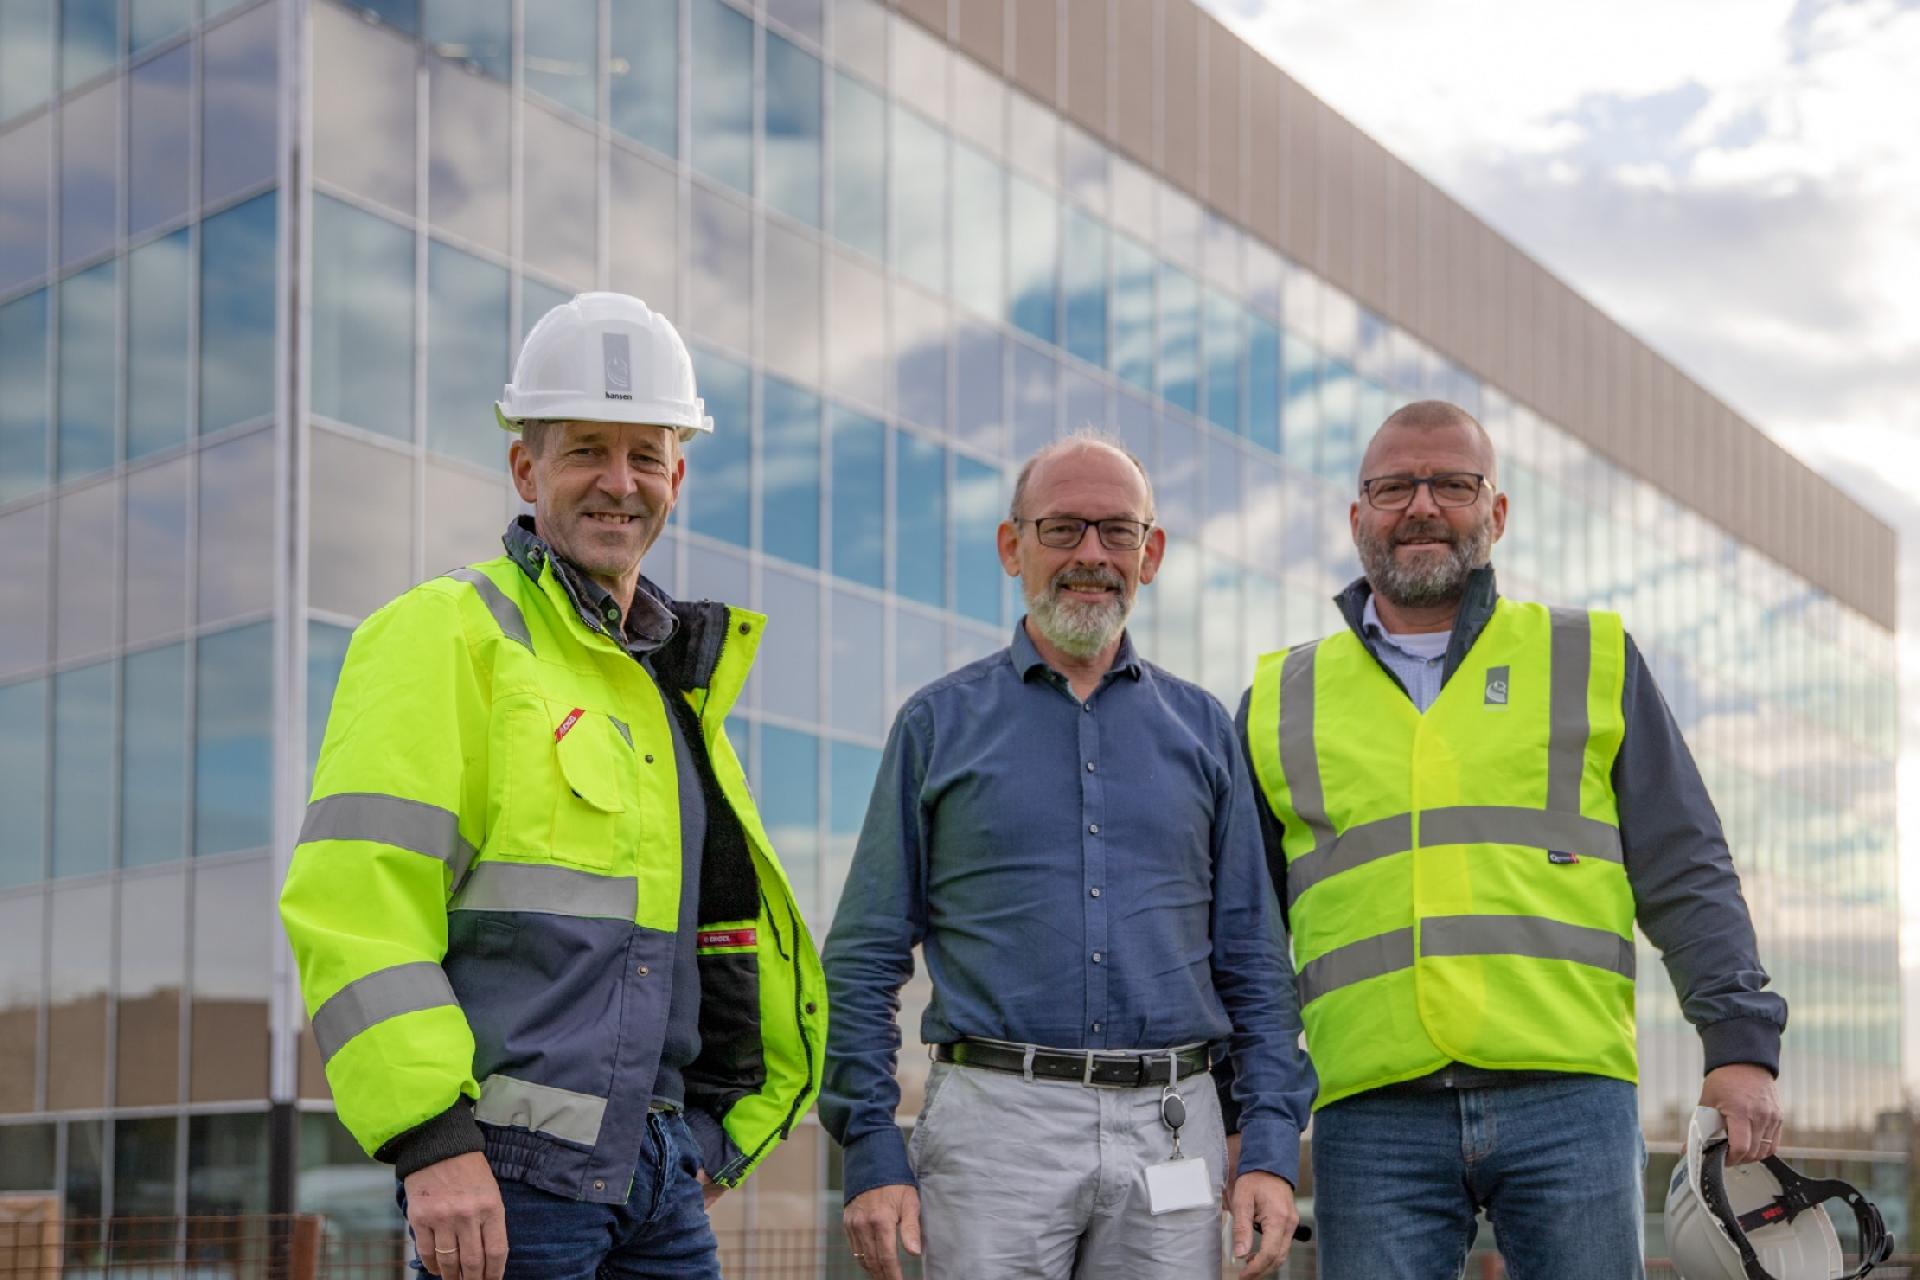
(1075,441)
(539,432)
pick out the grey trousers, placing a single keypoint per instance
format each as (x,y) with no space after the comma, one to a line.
(1046,1179)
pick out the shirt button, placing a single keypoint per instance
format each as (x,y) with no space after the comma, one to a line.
(1096,957)
(1089,766)
(1095,892)
(1096,1026)
(642,971)
(1093,828)
(1087,707)
(599,1184)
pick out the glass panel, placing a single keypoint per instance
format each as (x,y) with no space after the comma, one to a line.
(1339,429)
(1033,143)
(152,973)
(151,21)
(89,39)
(791,288)
(857,332)
(790,461)
(153,755)
(362,524)
(364,98)
(1034,378)
(722,265)
(25,201)
(858,669)
(859,167)
(88,303)
(1224,342)
(239,107)
(77,1012)
(466,354)
(717,494)
(920,357)
(83,770)
(156,579)
(791,687)
(1133,269)
(558,197)
(536,299)
(851,770)
(920,518)
(362,319)
(86,538)
(1033,248)
(793,131)
(232,975)
(644,243)
(326,654)
(562,49)
(477,32)
(920,69)
(468,161)
(979,219)
(89,165)
(465,514)
(803,16)
(143,1184)
(159,139)
(1300,419)
(1179,338)
(26,56)
(233,743)
(859,498)
(978,579)
(860,40)
(722,75)
(980,99)
(788,787)
(23,393)
(1084,266)
(978,387)
(919,653)
(644,71)
(23,785)
(159,276)
(85,1146)
(1263,382)
(918,200)
(23,589)
(227,1159)
(22,927)
(237,314)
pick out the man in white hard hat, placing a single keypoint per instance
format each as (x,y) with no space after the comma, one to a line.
(551,961)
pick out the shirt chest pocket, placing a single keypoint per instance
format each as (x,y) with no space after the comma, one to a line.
(569,787)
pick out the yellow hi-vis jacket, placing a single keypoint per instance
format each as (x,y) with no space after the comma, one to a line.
(1454,878)
(485,898)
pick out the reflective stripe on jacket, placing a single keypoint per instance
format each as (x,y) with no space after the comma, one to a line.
(1455,879)
(485,895)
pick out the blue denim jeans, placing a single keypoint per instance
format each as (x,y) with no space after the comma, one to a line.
(661,1231)
(1557,1168)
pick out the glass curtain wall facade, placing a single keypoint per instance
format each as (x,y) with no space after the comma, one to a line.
(221,282)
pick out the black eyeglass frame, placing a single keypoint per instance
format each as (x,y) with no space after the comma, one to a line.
(1081,524)
(1480,484)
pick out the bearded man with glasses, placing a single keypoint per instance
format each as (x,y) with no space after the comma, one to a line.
(1068,833)
(1468,803)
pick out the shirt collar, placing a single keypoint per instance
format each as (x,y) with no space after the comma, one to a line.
(1027,659)
(650,620)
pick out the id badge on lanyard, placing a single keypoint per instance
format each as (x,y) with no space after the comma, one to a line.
(1176,1183)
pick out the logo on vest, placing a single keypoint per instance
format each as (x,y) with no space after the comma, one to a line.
(1496,686)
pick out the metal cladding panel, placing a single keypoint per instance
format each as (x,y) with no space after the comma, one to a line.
(1490,348)
(1403,241)
(1576,362)
(1036,48)
(1263,150)
(1180,94)
(931,14)
(1134,45)
(1336,199)
(1430,307)
(1463,286)
(1547,320)
(1300,174)
(1370,163)
(1640,410)
(1089,24)
(983,32)
(1520,343)
(1224,125)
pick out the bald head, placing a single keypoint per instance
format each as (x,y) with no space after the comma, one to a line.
(1059,452)
(1428,416)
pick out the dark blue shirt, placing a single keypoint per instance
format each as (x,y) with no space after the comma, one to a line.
(1079,876)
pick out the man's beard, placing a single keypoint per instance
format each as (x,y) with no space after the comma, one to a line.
(1430,580)
(1081,628)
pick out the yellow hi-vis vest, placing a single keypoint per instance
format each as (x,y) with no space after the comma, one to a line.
(1454,878)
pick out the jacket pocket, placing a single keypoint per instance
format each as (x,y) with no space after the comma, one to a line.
(566,787)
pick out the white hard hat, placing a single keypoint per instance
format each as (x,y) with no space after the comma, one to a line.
(1761,1221)
(604,357)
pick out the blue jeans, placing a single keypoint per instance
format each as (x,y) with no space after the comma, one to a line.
(1557,1167)
(661,1231)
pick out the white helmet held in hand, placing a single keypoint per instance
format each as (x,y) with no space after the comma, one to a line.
(604,357)
(1760,1221)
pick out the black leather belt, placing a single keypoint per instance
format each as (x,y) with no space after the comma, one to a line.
(1092,1066)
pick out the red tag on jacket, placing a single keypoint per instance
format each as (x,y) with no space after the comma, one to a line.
(566,726)
(727,938)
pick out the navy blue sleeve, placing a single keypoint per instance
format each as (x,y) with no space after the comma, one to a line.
(1686,893)
(868,957)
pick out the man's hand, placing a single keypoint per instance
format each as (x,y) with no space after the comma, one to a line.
(1264,1200)
(459,1225)
(871,1219)
(1233,1164)
(710,1191)
(1745,1096)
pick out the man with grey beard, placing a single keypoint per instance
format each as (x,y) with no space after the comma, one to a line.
(1468,802)
(1068,834)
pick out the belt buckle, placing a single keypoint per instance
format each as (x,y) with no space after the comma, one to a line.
(1086,1072)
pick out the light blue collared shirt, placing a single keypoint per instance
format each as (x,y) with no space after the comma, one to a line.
(1418,659)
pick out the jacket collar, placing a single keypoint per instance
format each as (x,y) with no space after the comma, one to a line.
(1476,609)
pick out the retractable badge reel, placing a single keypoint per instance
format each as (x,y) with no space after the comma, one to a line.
(1177,1182)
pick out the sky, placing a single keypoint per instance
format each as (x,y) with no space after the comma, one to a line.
(1735,181)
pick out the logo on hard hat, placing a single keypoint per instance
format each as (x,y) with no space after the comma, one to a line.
(617,357)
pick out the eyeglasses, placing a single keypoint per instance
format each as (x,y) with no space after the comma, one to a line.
(1449,489)
(1063,533)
